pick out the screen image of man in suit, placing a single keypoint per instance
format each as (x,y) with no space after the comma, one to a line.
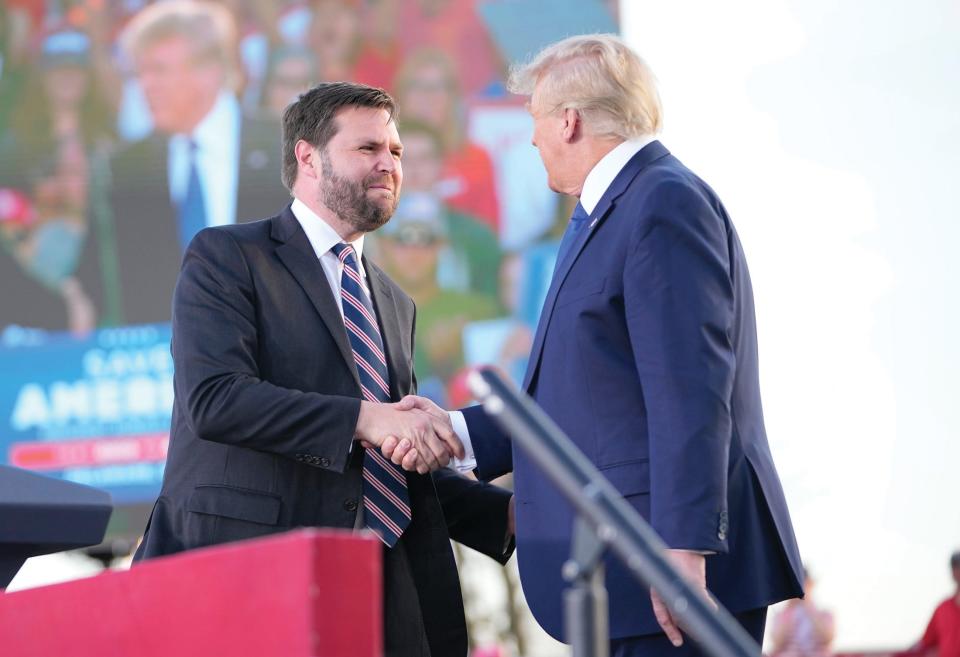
(288,347)
(646,356)
(203,165)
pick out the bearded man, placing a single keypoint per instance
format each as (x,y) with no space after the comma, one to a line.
(289,347)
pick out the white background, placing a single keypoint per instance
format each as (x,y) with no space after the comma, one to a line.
(831,130)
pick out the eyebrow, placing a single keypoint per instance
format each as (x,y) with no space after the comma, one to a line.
(375,143)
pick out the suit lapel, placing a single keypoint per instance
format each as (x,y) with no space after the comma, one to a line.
(649,153)
(559,276)
(301,261)
(386,308)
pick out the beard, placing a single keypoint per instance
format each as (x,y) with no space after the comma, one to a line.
(349,201)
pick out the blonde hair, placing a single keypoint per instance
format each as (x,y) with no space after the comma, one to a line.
(601,77)
(208,28)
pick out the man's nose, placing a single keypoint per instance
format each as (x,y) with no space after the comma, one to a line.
(387,162)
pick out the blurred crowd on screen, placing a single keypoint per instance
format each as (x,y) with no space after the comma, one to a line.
(124,130)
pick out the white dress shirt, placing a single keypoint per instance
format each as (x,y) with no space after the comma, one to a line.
(604,172)
(217,139)
(322,238)
(595,185)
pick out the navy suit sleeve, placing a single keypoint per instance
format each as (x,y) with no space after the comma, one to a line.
(216,375)
(678,301)
(491,446)
(476,513)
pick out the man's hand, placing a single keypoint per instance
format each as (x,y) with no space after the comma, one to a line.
(693,567)
(398,449)
(430,443)
(427,406)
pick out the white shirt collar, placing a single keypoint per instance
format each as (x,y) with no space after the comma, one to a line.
(219,122)
(322,236)
(602,175)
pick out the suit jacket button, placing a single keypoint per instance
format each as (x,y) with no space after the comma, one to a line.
(722,535)
(350,505)
(324,462)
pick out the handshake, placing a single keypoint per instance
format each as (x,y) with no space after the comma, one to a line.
(413,433)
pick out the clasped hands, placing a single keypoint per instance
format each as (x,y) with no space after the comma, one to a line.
(416,434)
(413,433)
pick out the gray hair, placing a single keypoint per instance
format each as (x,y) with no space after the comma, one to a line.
(599,76)
(207,27)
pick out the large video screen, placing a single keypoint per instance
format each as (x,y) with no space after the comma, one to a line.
(121,137)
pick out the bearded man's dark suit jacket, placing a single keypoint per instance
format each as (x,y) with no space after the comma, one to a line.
(646,356)
(266,404)
(143,230)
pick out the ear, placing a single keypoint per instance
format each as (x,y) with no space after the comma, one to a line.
(572,125)
(308,159)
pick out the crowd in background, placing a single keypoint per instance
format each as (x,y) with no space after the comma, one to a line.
(103,124)
(802,628)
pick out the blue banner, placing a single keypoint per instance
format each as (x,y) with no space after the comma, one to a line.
(94,410)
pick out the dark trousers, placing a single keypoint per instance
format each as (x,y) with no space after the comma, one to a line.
(658,645)
(403,631)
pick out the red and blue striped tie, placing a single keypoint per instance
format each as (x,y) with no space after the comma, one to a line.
(385,498)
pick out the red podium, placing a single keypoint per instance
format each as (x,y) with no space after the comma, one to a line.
(306,593)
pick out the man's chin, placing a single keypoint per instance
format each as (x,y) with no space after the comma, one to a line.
(380,194)
(371,221)
(165,125)
(386,202)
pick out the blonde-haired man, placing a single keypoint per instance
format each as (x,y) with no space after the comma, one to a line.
(204,165)
(646,356)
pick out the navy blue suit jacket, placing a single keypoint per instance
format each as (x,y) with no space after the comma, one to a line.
(646,356)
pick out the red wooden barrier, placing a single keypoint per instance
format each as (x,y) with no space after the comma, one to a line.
(306,593)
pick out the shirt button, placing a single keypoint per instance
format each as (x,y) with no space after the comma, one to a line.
(350,505)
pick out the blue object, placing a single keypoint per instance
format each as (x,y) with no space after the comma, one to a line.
(646,357)
(521,28)
(193,212)
(110,389)
(42,515)
(577,221)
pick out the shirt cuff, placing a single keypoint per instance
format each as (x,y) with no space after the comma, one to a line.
(469,461)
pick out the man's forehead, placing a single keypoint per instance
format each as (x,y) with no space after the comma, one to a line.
(365,117)
(365,120)
(164,45)
(534,107)
(534,103)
